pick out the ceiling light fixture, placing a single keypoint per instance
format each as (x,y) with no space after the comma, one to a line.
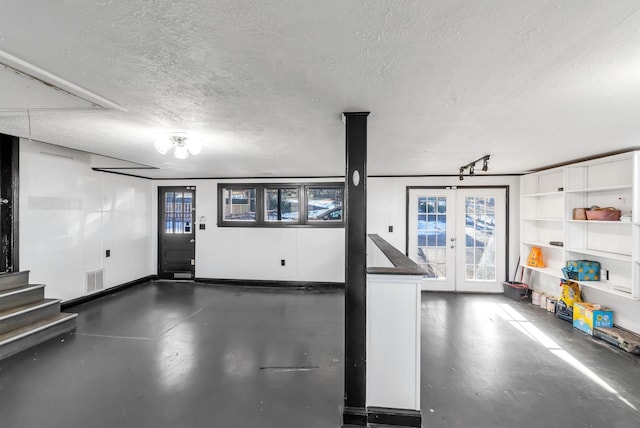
(181,145)
(471,166)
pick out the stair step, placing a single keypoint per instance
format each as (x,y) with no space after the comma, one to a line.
(13,280)
(38,332)
(23,315)
(21,296)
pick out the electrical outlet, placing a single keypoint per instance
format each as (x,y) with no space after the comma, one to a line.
(390,229)
(282,262)
(107,253)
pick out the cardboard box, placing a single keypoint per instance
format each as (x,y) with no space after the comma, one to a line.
(589,316)
(623,339)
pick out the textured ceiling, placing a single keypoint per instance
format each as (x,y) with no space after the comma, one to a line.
(262,83)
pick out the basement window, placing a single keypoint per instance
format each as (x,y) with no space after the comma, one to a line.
(281,205)
(239,204)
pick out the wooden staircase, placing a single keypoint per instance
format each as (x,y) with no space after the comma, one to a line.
(26,317)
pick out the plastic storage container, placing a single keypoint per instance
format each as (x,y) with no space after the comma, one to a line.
(517,291)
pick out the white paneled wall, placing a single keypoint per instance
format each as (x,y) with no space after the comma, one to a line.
(310,254)
(70,214)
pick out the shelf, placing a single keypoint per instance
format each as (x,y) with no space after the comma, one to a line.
(557,273)
(600,189)
(535,195)
(605,287)
(540,244)
(599,222)
(615,244)
(606,254)
(608,288)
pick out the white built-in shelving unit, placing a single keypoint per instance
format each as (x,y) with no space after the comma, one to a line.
(547,202)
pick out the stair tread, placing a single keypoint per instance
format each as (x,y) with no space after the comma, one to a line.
(20,289)
(17,309)
(9,280)
(37,326)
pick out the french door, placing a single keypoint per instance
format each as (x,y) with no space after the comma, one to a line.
(458,236)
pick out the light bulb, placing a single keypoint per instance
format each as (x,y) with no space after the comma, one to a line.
(163,145)
(181,152)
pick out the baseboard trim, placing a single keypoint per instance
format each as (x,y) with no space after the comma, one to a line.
(311,285)
(394,417)
(117,288)
(354,417)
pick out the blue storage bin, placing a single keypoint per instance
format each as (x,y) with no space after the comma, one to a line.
(582,270)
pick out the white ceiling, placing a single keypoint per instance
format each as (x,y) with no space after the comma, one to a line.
(263,83)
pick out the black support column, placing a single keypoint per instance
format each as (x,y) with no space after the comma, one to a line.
(9,186)
(355,381)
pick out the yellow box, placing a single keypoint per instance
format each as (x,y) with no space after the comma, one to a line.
(588,316)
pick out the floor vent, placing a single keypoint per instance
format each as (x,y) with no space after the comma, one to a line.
(182,275)
(94,281)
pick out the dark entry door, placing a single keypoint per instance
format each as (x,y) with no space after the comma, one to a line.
(176,233)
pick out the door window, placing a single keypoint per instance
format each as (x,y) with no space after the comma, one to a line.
(432,230)
(178,212)
(480,244)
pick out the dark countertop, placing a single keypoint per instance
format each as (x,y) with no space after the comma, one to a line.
(403,265)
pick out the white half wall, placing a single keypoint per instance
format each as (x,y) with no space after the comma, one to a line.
(70,214)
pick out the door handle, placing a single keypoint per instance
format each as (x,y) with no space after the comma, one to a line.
(452,239)
(451,246)
(192,241)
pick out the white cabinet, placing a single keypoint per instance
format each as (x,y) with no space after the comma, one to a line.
(547,202)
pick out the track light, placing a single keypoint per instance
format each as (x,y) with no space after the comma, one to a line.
(471,166)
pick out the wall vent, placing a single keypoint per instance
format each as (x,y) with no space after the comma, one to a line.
(94,281)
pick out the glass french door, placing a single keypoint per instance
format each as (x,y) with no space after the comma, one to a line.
(458,236)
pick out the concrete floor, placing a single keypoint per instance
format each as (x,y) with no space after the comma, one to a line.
(183,355)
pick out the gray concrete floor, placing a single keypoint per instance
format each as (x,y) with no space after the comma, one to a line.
(183,355)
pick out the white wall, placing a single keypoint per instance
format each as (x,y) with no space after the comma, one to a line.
(69,214)
(387,200)
(311,254)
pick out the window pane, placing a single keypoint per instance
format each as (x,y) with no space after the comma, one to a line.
(480,216)
(239,204)
(432,232)
(281,204)
(324,203)
(187,212)
(168,212)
